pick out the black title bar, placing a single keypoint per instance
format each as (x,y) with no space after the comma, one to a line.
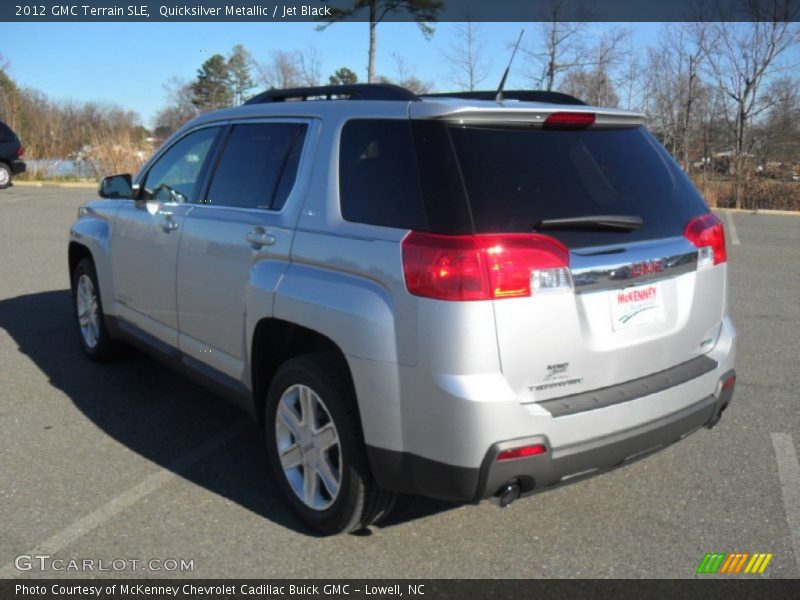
(710,588)
(448,10)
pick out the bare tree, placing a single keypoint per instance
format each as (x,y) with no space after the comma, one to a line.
(558,48)
(675,84)
(689,55)
(594,82)
(469,65)
(280,71)
(291,68)
(740,57)
(9,97)
(631,80)
(592,86)
(781,129)
(405,78)
(178,110)
(309,65)
(659,101)
(408,80)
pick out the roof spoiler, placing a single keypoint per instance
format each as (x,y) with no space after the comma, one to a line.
(521,95)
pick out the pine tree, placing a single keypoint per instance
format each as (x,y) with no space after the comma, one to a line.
(212,88)
(343,76)
(240,62)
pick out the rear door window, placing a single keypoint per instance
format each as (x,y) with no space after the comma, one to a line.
(258,166)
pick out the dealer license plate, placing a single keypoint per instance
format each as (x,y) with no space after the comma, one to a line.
(637,306)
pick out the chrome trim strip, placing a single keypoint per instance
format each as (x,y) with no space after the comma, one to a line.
(614,267)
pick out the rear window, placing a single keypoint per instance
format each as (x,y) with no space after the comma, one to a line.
(515,178)
(443,178)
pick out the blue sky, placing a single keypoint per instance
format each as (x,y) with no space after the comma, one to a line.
(127,63)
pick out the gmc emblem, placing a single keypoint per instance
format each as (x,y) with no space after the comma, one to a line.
(647,267)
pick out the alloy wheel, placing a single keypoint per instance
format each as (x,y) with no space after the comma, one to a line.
(88,313)
(308,447)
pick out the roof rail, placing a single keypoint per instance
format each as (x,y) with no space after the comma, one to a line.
(523,95)
(357,91)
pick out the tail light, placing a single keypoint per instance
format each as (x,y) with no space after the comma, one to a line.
(708,236)
(20,152)
(569,120)
(484,267)
(522,452)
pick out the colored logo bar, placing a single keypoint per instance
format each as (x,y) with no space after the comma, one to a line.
(734,563)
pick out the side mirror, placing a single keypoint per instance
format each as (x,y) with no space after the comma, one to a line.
(116,186)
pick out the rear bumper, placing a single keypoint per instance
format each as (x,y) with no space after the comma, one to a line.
(408,473)
(566,464)
(18,166)
(437,434)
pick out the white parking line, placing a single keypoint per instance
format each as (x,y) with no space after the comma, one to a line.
(732,228)
(127,498)
(789,475)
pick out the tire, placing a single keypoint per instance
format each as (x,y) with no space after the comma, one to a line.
(89,317)
(5,175)
(307,455)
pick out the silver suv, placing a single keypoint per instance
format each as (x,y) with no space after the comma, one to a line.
(445,295)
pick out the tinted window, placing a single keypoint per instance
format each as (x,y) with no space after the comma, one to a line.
(515,178)
(379,183)
(258,165)
(286,181)
(6,135)
(174,177)
(446,205)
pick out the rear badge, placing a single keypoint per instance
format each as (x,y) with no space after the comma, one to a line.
(557,376)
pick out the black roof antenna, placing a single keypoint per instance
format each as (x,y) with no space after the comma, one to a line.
(499,96)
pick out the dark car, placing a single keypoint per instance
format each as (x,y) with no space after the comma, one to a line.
(11,153)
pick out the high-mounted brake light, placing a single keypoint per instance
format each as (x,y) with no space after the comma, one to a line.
(20,152)
(707,234)
(522,452)
(569,120)
(484,267)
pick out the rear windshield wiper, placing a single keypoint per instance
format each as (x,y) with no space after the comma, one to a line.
(620,222)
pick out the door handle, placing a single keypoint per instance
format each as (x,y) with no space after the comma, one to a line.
(258,238)
(168,224)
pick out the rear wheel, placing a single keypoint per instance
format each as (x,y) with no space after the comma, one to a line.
(5,175)
(316,449)
(92,331)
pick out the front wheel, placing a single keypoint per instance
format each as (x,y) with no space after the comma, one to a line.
(316,449)
(88,310)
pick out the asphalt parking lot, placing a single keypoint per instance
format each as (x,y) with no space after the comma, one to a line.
(133,462)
